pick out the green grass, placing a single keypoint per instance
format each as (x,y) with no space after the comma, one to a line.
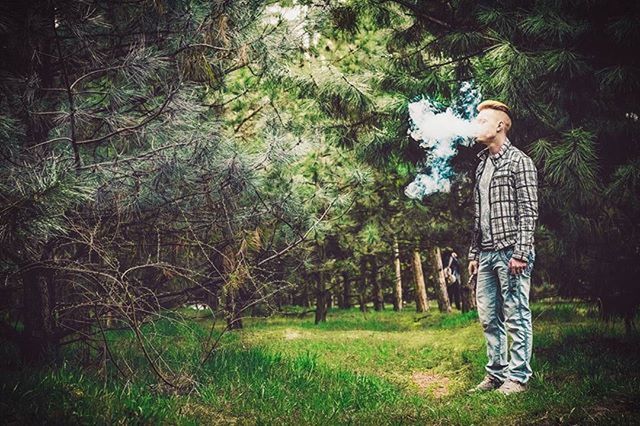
(353,369)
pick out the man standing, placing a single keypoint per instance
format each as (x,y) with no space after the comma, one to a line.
(502,251)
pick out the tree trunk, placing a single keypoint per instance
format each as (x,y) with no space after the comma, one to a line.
(440,283)
(231,287)
(322,294)
(38,341)
(397,290)
(321,298)
(212,299)
(378,298)
(234,321)
(232,308)
(39,344)
(468,294)
(363,284)
(422,303)
(233,272)
(362,302)
(467,289)
(346,291)
(304,297)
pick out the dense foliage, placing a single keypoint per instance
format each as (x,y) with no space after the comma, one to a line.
(248,155)
(569,71)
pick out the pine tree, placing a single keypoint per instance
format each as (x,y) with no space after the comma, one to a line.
(569,73)
(126,186)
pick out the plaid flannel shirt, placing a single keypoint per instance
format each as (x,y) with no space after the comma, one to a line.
(513,202)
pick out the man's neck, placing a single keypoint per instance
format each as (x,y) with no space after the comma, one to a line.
(495,145)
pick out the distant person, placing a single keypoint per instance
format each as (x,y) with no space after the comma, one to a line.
(502,249)
(453,281)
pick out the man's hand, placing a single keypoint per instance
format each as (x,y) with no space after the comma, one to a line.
(516,266)
(473,267)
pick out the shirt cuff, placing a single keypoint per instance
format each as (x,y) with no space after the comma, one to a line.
(521,255)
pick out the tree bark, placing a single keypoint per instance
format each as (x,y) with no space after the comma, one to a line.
(378,298)
(39,344)
(346,291)
(321,298)
(468,294)
(231,268)
(422,303)
(304,297)
(440,283)
(231,288)
(212,299)
(467,288)
(232,307)
(322,294)
(363,284)
(397,290)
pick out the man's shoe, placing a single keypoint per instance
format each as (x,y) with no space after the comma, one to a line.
(512,386)
(487,384)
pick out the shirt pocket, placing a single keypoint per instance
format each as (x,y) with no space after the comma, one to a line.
(501,177)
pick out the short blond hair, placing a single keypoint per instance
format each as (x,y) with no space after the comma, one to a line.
(498,106)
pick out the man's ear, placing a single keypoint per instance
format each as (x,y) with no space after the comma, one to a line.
(500,127)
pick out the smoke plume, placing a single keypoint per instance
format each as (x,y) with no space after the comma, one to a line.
(440,133)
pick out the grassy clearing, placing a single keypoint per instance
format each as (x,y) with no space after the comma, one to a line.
(378,368)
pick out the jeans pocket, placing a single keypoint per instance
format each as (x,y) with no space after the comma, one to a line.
(506,254)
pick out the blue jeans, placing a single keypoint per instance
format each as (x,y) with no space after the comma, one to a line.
(503,307)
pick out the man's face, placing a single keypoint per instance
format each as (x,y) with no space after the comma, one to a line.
(489,123)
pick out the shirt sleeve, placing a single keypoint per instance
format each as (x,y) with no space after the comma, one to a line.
(526,180)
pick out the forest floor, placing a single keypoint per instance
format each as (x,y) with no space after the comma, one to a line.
(374,368)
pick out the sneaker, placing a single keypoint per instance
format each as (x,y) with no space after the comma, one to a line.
(487,384)
(512,386)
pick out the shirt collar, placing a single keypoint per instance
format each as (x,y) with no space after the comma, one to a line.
(485,152)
